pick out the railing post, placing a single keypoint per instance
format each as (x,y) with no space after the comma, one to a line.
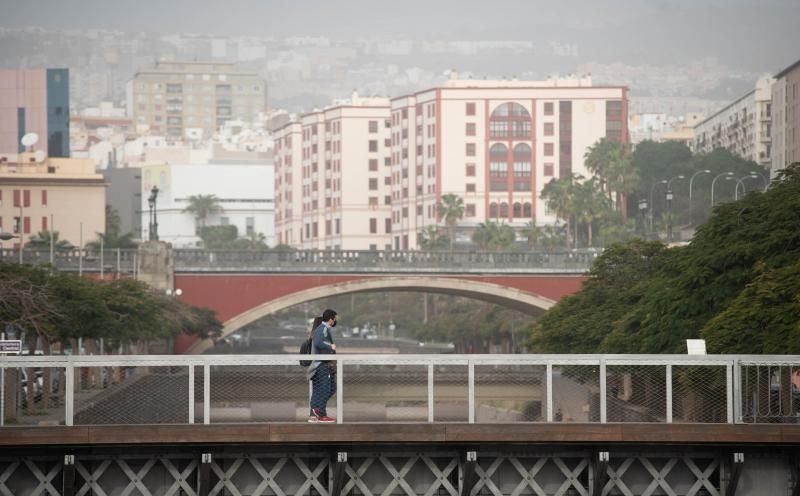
(339,392)
(69,393)
(471,390)
(737,391)
(430,392)
(2,396)
(206,394)
(603,412)
(549,382)
(669,393)
(729,391)
(191,393)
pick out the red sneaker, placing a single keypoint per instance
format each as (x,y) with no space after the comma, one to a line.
(326,419)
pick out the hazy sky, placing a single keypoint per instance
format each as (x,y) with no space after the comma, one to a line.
(745,34)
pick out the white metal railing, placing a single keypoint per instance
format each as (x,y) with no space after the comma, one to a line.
(148,389)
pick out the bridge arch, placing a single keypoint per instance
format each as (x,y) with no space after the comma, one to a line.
(493,293)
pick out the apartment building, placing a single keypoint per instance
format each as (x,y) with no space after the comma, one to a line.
(192,99)
(495,144)
(35,101)
(333,183)
(50,194)
(743,127)
(786,118)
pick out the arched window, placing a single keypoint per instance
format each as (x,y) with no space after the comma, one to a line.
(526,210)
(498,160)
(504,210)
(493,210)
(517,210)
(510,120)
(522,159)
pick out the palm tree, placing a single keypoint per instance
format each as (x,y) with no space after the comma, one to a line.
(590,205)
(42,240)
(451,210)
(598,159)
(558,195)
(431,238)
(112,238)
(494,236)
(202,206)
(612,163)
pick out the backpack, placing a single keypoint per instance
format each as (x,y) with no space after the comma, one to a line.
(305,349)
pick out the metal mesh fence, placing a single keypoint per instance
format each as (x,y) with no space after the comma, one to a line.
(576,393)
(450,393)
(510,393)
(699,394)
(380,393)
(770,393)
(33,396)
(636,393)
(257,393)
(131,395)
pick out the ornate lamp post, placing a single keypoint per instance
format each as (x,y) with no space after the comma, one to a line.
(151,201)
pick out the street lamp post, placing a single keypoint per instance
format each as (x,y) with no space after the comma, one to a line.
(669,197)
(724,174)
(642,210)
(691,198)
(151,201)
(762,176)
(740,182)
(663,181)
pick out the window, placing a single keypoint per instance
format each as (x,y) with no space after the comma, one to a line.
(470,108)
(522,160)
(17,198)
(387,200)
(548,129)
(504,209)
(498,160)
(44,223)
(470,187)
(387,225)
(548,149)
(470,170)
(526,210)
(373,226)
(373,164)
(493,210)
(419,210)
(405,212)
(373,145)
(470,129)
(337,223)
(548,169)
(26,198)
(470,149)
(373,184)
(387,181)
(517,210)
(373,201)
(548,108)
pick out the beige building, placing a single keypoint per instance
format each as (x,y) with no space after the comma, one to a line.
(744,127)
(332,178)
(51,194)
(495,144)
(192,99)
(786,118)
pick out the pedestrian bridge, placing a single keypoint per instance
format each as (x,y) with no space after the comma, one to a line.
(406,424)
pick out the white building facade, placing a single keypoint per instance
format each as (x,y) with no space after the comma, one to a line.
(244,191)
(744,127)
(786,118)
(495,144)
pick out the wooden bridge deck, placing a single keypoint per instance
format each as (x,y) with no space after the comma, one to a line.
(293,433)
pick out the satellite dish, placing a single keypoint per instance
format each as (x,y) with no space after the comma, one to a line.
(30,139)
(39,156)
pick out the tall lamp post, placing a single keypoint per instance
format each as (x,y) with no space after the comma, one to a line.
(740,182)
(762,176)
(691,198)
(724,174)
(663,181)
(669,197)
(151,201)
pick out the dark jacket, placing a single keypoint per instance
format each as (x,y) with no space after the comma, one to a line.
(321,342)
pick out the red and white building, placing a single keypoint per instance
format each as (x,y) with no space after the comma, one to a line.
(370,174)
(332,178)
(495,144)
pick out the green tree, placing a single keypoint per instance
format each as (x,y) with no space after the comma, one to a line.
(432,239)
(451,210)
(42,241)
(113,237)
(202,206)
(492,236)
(558,194)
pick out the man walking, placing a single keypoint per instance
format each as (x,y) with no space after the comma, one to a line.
(322,373)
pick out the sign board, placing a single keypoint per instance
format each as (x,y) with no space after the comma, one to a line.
(696,346)
(10,346)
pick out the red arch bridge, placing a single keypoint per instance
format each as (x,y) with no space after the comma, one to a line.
(408,424)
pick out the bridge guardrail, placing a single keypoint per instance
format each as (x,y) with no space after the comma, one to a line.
(164,389)
(201,260)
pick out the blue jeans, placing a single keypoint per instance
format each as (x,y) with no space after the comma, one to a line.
(323,386)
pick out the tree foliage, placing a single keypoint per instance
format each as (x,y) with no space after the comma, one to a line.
(735,285)
(451,210)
